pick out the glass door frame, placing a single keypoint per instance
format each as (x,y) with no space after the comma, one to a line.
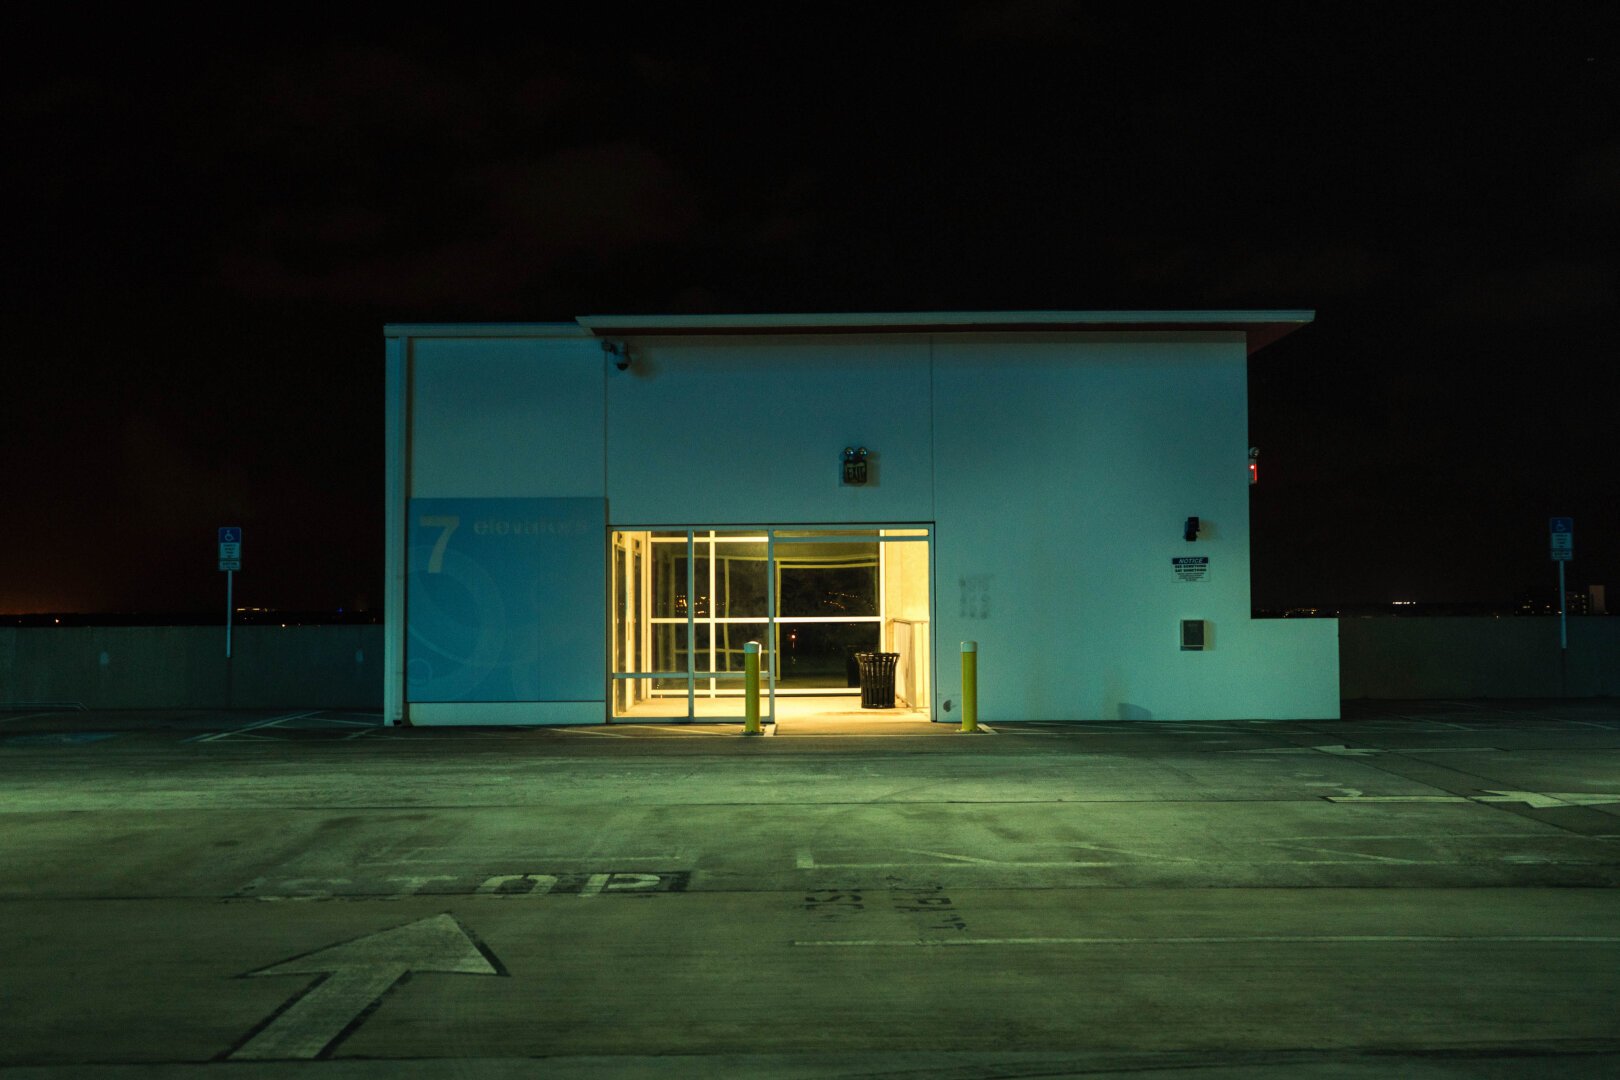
(629,631)
(879,533)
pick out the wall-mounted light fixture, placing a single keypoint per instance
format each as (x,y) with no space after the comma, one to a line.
(1189,531)
(619,352)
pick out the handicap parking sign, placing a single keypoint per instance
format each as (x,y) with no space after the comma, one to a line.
(230,547)
(1562,538)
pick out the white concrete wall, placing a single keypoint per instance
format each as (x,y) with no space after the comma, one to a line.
(1065,468)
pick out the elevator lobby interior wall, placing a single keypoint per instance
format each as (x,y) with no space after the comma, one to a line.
(704,431)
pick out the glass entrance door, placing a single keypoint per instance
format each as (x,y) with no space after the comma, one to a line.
(827,610)
(686,601)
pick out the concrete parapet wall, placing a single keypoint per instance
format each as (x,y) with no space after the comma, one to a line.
(1477,657)
(134,667)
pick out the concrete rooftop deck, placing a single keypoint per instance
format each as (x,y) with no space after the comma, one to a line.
(1422,889)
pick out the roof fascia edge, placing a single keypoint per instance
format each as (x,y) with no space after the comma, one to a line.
(486,330)
(939,322)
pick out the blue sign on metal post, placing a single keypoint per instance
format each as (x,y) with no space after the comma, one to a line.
(230,547)
(1563,539)
(1563,549)
(230,561)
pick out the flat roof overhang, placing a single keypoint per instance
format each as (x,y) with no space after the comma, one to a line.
(1260,327)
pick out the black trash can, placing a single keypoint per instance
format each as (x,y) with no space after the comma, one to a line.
(877,679)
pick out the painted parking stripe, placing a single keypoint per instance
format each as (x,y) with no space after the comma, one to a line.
(1270,939)
(1539,800)
(61,738)
(668,730)
(681,730)
(214,736)
(24,716)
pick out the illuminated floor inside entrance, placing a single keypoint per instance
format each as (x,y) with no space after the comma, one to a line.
(843,707)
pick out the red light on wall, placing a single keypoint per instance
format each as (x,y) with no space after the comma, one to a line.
(1254,472)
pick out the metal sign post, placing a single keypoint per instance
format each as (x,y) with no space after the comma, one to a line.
(230,561)
(1562,547)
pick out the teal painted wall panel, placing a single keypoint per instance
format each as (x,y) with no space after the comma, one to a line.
(506,418)
(507,600)
(714,431)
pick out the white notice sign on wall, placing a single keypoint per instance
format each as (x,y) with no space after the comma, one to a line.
(1191,568)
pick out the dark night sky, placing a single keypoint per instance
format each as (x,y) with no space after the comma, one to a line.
(205,237)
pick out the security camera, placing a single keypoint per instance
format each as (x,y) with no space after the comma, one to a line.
(620,353)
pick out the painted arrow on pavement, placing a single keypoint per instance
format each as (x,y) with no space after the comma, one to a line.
(355,976)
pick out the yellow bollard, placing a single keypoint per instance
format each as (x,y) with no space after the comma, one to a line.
(970,687)
(751,688)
